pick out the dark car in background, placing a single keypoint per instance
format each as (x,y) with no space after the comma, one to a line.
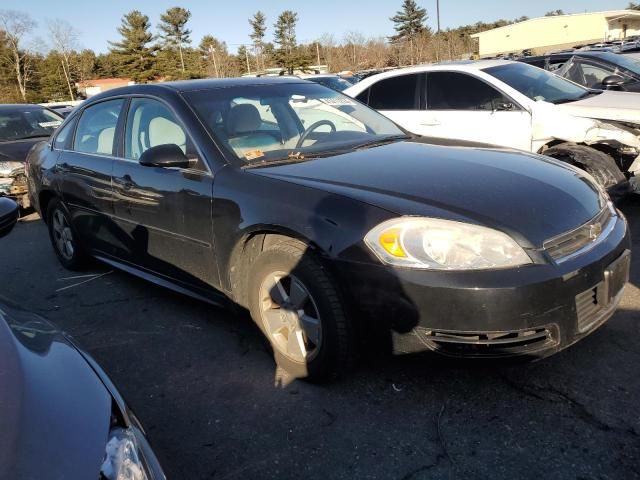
(329,223)
(21,127)
(61,415)
(597,70)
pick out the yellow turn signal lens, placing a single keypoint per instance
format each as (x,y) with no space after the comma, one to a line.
(390,241)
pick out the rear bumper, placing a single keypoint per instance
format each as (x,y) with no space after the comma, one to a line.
(534,310)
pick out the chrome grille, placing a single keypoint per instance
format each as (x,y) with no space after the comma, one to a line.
(588,307)
(569,243)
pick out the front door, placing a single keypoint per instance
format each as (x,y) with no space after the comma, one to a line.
(164,214)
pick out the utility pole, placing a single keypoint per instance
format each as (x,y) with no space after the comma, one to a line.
(318,52)
(246,54)
(212,52)
(438,13)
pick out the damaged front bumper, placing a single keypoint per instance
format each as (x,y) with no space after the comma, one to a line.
(532,312)
(13,183)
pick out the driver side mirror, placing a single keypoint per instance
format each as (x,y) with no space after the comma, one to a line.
(9,213)
(612,82)
(503,106)
(164,156)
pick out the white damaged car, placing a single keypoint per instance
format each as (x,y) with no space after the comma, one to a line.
(519,106)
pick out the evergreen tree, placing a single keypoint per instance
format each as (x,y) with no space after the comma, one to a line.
(259,28)
(134,52)
(288,55)
(554,13)
(633,6)
(175,34)
(409,24)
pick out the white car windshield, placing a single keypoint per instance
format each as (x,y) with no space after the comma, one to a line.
(288,121)
(538,84)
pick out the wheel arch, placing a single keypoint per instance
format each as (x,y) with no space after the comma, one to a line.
(44,200)
(247,248)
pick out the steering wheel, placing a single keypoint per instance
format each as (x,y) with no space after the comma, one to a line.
(313,127)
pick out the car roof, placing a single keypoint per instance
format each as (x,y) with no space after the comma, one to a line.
(456,66)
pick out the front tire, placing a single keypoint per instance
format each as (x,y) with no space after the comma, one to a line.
(63,238)
(294,301)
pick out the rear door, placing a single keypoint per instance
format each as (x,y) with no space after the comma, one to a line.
(85,171)
(163,214)
(462,106)
(398,98)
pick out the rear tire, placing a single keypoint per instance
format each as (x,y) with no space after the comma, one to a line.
(63,237)
(295,303)
(598,164)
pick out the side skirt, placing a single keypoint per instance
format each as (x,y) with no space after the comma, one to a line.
(214,298)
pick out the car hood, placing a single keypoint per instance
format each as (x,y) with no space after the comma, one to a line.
(530,197)
(18,150)
(55,410)
(607,105)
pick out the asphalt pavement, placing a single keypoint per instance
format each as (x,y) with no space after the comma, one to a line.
(204,384)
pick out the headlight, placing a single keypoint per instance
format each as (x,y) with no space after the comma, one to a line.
(436,244)
(11,168)
(123,459)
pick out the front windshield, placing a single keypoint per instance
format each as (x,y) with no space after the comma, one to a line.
(23,123)
(337,83)
(631,64)
(288,121)
(538,84)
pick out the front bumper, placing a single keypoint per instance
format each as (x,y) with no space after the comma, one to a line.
(533,310)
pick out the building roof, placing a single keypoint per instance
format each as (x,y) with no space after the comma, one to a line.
(104,82)
(606,14)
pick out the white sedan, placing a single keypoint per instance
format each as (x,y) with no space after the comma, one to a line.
(515,105)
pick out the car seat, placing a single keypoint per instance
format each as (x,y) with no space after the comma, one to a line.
(243,125)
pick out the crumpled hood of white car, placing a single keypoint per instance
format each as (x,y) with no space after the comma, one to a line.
(608,105)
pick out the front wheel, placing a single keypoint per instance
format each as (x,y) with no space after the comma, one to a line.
(63,238)
(294,301)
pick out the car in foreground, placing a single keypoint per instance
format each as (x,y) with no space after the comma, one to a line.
(21,127)
(61,415)
(515,105)
(598,70)
(260,192)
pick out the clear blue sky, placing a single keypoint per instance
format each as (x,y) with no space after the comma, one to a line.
(97,20)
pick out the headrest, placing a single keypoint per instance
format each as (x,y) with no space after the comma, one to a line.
(163,131)
(243,118)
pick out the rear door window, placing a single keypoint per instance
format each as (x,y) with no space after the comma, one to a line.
(459,91)
(96,130)
(396,93)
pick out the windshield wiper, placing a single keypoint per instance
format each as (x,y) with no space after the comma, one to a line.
(381,141)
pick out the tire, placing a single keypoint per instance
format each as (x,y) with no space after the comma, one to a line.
(598,164)
(64,239)
(327,342)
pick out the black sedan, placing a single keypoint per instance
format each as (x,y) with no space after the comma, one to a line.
(61,416)
(330,224)
(598,70)
(21,127)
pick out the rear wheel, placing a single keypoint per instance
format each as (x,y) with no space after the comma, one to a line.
(598,164)
(63,238)
(295,303)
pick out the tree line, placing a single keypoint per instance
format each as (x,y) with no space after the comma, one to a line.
(143,53)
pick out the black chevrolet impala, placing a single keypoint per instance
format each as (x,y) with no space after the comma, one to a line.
(329,223)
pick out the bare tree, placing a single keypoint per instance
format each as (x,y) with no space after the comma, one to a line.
(65,40)
(17,25)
